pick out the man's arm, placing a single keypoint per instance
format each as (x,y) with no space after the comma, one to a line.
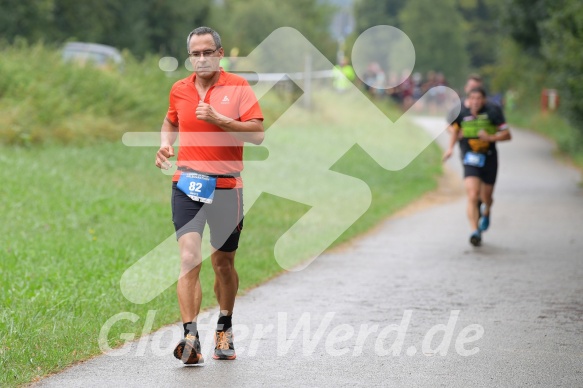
(250,131)
(499,121)
(168,135)
(453,138)
(502,135)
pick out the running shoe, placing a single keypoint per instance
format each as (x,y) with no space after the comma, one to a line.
(476,238)
(224,348)
(188,350)
(484,223)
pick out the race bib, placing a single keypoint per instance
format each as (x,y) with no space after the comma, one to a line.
(198,187)
(474,159)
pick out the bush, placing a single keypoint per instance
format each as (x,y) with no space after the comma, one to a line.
(43,100)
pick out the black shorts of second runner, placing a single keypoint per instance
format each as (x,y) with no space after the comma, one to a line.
(487,173)
(224,217)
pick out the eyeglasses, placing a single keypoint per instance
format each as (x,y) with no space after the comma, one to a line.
(205,53)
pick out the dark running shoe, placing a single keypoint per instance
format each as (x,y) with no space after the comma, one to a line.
(476,238)
(188,350)
(224,348)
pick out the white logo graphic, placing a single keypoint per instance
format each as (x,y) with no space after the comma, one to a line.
(307,334)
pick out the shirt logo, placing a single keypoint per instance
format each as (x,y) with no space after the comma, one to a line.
(225,100)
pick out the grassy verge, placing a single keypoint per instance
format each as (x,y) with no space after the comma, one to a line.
(569,140)
(46,101)
(75,217)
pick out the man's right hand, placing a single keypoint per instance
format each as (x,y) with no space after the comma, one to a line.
(447,154)
(162,156)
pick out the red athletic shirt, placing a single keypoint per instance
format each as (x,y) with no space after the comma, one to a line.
(205,147)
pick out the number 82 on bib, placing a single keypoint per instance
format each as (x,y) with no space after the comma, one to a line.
(198,187)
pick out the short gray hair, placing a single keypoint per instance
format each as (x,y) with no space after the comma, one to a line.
(204,31)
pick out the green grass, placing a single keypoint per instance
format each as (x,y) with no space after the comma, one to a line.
(43,100)
(102,208)
(569,140)
(78,213)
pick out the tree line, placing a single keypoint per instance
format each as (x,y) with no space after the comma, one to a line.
(551,35)
(142,26)
(524,45)
(519,44)
(161,26)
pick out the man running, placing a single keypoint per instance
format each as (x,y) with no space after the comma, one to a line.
(214,112)
(474,81)
(478,127)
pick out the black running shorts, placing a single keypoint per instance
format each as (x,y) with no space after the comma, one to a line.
(487,173)
(224,217)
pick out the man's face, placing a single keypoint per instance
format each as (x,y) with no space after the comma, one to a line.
(476,101)
(472,84)
(204,55)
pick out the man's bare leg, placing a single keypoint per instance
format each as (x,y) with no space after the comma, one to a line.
(472,185)
(189,297)
(226,286)
(188,287)
(226,280)
(486,192)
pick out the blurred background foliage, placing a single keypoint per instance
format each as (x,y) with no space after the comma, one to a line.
(518,45)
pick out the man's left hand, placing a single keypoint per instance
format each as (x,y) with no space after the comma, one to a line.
(483,135)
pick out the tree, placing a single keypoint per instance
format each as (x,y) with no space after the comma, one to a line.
(144,26)
(170,22)
(523,18)
(25,18)
(435,32)
(482,22)
(88,20)
(551,32)
(370,13)
(246,23)
(562,47)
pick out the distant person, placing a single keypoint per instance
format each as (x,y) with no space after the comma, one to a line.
(375,80)
(430,93)
(480,126)
(510,98)
(343,75)
(417,86)
(474,81)
(406,90)
(440,80)
(229,64)
(394,92)
(225,63)
(208,106)
(430,81)
(497,99)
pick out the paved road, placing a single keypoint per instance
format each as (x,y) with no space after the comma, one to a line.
(514,307)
